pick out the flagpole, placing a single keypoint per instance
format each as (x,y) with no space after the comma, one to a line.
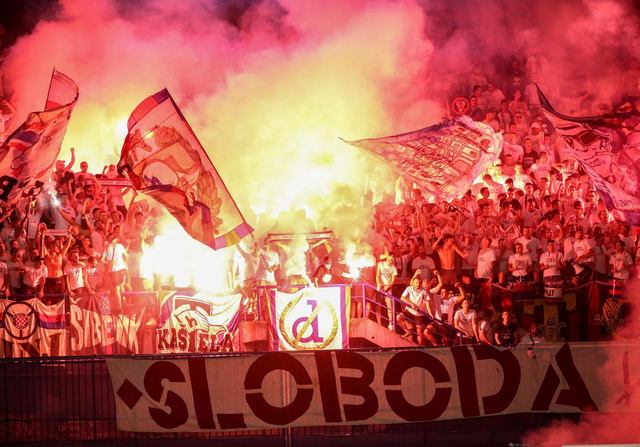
(208,158)
(49,90)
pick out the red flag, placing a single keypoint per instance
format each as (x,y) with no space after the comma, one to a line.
(164,159)
(27,156)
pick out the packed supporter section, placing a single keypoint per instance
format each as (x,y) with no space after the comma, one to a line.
(531,227)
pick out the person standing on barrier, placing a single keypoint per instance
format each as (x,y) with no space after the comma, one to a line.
(447,255)
(386,274)
(115,258)
(486,267)
(621,263)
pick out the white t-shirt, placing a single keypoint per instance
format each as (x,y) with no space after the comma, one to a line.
(74,273)
(521,263)
(115,254)
(440,306)
(486,260)
(426,266)
(465,320)
(580,247)
(32,276)
(620,262)
(386,273)
(416,296)
(553,261)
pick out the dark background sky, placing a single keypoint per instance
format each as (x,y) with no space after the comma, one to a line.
(18,17)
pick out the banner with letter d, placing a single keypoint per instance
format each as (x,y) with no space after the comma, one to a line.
(310,319)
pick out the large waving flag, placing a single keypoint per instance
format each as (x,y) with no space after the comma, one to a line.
(164,159)
(608,149)
(27,156)
(444,159)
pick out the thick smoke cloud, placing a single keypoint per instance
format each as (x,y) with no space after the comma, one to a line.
(269,86)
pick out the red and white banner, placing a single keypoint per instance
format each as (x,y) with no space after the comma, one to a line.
(280,389)
(32,329)
(197,322)
(29,153)
(95,330)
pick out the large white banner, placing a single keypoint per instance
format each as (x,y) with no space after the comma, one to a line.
(312,318)
(280,389)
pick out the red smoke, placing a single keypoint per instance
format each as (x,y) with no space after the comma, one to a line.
(603,427)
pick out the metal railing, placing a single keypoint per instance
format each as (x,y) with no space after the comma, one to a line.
(366,300)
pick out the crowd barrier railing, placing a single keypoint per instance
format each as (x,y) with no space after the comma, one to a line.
(366,302)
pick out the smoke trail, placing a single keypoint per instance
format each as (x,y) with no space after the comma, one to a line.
(269,85)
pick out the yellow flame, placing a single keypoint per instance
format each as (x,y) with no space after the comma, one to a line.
(358,257)
(179,259)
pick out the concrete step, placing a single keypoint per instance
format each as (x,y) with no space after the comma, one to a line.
(365,333)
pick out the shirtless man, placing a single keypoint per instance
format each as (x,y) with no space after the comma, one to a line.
(447,254)
(54,253)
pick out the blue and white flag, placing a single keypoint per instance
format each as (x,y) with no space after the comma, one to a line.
(443,160)
(608,149)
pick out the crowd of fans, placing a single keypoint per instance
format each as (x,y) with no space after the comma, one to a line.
(532,219)
(76,238)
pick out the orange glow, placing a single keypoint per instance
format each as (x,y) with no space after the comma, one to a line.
(357,259)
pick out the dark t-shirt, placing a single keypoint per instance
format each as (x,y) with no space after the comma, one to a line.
(529,159)
(505,333)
